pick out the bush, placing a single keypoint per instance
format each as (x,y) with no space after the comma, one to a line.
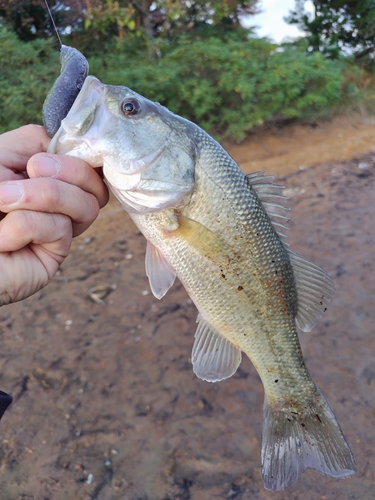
(27,71)
(227,85)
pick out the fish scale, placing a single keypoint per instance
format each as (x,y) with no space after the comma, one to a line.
(206,222)
(249,326)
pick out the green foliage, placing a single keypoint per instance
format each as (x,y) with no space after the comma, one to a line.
(226,85)
(338,25)
(109,21)
(96,23)
(30,18)
(232,84)
(27,71)
(186,16)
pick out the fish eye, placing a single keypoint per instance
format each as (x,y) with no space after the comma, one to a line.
(130,107)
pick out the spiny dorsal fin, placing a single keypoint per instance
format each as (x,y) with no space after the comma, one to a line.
(272,199)
(315,290)
(214,358)
(160,274)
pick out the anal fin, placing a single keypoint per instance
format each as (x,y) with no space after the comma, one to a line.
(160,274)
(214,357)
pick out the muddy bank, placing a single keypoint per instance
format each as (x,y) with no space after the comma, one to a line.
(106,405)
(284,150)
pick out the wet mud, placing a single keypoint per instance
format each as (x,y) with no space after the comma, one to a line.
(106,405)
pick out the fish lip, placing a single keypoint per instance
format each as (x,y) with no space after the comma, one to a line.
(96,84)
(99,89)
(91,96)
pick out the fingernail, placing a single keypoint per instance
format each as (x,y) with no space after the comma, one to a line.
(10,193)
(46,166)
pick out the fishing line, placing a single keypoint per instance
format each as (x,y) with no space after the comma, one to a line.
(53,22)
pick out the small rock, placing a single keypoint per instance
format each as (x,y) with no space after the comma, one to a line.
(363,164)
(100,292)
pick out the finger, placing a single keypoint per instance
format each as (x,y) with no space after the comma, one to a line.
(32,246)
(10,175)
(70,170)
(23,227)
(17,146)
(50,196)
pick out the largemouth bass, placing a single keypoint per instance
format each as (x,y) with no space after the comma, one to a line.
(217,230)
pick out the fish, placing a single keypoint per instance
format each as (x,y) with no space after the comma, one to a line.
(220,232)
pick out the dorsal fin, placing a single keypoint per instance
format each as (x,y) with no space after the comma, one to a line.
(314,287)
(315,290)
(272,199)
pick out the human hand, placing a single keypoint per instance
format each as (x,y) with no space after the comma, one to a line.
(45,200)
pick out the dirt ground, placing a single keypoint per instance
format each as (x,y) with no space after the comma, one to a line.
(106,405)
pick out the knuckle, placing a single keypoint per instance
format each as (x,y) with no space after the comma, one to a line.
(63,222)
(62,225)
(30,128)
(104,198)
(91,211)
(38,132)
(73,168)
(22,223)
(89,179)
(30,222)
(51,194)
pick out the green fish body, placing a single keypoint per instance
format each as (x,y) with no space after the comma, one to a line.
(217,230)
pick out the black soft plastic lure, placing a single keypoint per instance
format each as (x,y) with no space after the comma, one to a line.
(74,70)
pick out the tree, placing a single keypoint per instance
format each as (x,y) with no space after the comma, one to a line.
(30,19)
(99,20)
(338,26)
(165,18)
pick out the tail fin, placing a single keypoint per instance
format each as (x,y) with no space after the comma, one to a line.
(293,442)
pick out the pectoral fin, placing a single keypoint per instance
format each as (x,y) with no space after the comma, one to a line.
(315,290)
(160,274)
(214,358)
(201,238)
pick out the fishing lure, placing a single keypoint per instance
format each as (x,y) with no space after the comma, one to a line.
(74,70)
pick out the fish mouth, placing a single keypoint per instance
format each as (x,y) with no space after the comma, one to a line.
(84,131)
(72,138)
(92,91)
(83,114)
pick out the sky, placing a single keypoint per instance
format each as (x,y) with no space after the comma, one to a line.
(270,22)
